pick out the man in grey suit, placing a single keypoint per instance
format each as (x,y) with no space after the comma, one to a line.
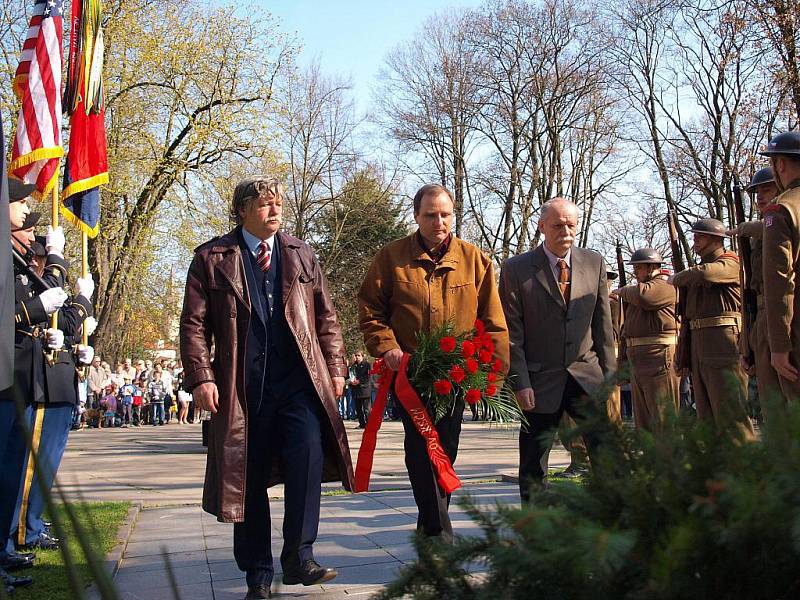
(555,300)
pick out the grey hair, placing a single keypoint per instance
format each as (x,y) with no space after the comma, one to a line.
(547,206)
(251,188)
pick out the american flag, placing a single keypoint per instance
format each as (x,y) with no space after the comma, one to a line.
(37,83)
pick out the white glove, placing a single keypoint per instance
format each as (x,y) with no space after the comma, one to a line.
(85,354)
(54,242)
(54,339)
(85,286)
(53,299)
(89,325)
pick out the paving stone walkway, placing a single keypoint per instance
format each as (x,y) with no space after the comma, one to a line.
(366,537)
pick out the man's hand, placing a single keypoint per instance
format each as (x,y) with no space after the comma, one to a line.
(526,399)
(85,354)
(85,286)
(206,396)
(780,361)
(53,299)
(54,241)
(392,358)
(746,366)
(338,386)
(54,338)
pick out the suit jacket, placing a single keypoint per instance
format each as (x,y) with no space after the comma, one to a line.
(549,339)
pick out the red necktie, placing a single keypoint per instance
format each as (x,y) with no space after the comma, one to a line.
(263,258)
(563,279)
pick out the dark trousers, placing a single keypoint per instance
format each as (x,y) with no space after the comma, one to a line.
(12,454)
(432,502)
(362,409)
(287,429)
(536,440)
(50,426)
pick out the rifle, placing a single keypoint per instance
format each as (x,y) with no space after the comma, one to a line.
(623,278)
(749,298)
(683,351)
(23,264)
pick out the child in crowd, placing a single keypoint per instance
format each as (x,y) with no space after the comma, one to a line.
(137,403)
(109,406)
(126,396)
(156,393)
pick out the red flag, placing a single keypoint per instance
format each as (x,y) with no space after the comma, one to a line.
(87,163)
(37,83)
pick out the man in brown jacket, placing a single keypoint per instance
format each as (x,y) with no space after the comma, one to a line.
(258,296)
(713,302)
(781,263)
(755,345)
(650,333)
(416,284)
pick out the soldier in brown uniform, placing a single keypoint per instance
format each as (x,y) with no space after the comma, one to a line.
(781,256)
(713,302)
(650,333)
(755,345)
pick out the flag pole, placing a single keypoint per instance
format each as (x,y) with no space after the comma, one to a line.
(51,356)
(84,273)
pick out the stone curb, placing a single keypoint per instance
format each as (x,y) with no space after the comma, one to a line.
(113,559)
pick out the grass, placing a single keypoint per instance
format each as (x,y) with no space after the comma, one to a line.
(100,521)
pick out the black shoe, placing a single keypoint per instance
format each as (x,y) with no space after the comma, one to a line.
(17,560)
(309,573)
(258,591)
(14,582)
(44,542)
(573,472)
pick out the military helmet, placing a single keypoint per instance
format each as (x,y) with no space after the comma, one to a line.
(764,175)
(646,256)
(783,143)
(709,227)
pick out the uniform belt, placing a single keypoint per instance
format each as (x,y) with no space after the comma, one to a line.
(760,301)
(33,331)
(652,340)
(729,319)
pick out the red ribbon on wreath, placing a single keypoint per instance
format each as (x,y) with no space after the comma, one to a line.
(407,396)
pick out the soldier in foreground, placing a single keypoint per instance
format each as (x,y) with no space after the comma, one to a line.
(650,333)
(713,303)
(755,343)
(781,257)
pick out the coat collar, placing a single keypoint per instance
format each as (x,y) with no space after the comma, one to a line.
(450,259)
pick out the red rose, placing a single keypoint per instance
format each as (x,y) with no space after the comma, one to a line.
(467,349)
(497,366)
(477,342)
(487,343)
(485,356)
(473,396)
(479,327)
(377,367)
(447,344)
(457,374)
(472,365)
(491,389)
(491,377)
(442,386)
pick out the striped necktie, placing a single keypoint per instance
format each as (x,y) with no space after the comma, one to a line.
(563,279)
(264,256)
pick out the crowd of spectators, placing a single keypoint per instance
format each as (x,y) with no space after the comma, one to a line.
(134,395)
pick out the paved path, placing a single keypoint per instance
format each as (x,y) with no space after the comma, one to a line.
(365,536)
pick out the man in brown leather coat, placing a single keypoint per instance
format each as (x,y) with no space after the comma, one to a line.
(259,297)
(713,302)
(650,333)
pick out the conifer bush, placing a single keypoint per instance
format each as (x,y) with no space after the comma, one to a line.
(691,512)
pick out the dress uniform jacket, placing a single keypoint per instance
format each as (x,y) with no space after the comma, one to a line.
(713,304)
(781,263)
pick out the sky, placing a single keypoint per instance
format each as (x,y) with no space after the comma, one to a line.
(350,38)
